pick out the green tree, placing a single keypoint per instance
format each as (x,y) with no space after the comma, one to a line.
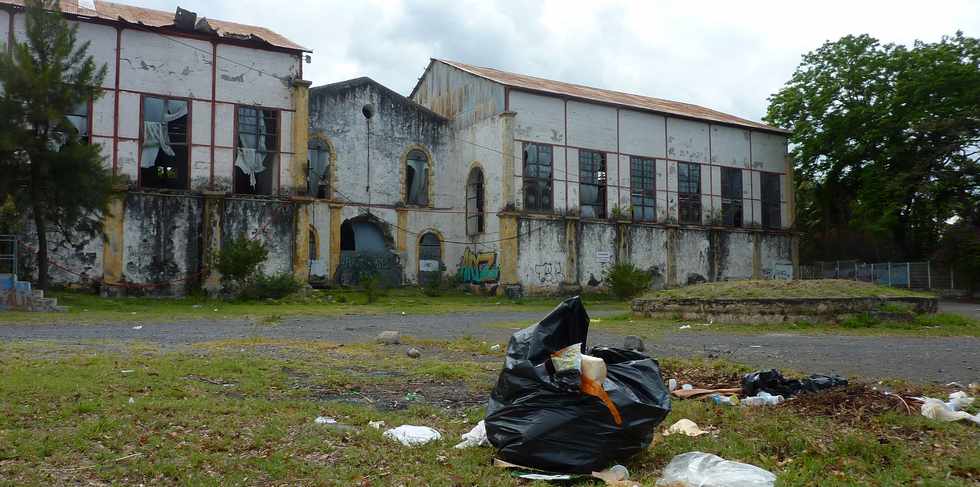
(885,141)
(57,177)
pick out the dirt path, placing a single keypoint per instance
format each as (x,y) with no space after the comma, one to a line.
(919,359)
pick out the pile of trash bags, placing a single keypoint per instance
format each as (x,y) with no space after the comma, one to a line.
(773,382)
(555,407)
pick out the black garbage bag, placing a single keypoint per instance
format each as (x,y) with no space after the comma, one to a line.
(541,419)
(773,382)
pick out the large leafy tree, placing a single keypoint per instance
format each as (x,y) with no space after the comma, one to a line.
(886,142)
(55,177)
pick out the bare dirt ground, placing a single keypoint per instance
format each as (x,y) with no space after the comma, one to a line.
(918,359)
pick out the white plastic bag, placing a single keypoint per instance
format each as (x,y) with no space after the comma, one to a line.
(409,435)
(937,409)
(476,437)
(697,469)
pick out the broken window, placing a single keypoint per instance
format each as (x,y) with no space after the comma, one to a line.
(417,178)
(474,202)
(77,126)
(731,196)
(537,177)
(770,200)
(592,183)
(689,192)
(318,161)
(643,189)
(165,153)
(257,152)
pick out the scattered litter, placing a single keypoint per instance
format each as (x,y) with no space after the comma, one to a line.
(389,338)
(696,393)
(533,404)
(138,327)
(697,469)
(132,312)
(376,424)
(324,420)
(955,384)
(687,387)
(725,400)
(132,401)
(403,313)
(413,352)
(413,396)
(126,371)
(684,327)
(215,310)
(672,385)
(773,382)
(755,346)
(959,400)
(763,399)
(616,475)
(195,306)
(409,435)
(476,437)
(685,427)
(495,347)
(937,409)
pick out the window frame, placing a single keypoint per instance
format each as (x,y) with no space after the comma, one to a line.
(479,197)
(770,209)
(537,180)
(648,175)
(732,212)
(689,201)
(428,176)
(277,153)
(327,148)
(89,106)
(188,142)
(597,173)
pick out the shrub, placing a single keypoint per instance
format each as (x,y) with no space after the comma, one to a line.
(372,286)
(626,280)
(276,286)
(238,262)
(433,287)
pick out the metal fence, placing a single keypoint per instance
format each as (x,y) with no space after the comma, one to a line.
(912,275)
(8,254)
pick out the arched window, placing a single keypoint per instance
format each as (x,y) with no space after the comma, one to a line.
(430,258)
(318,164)
(474,202)
(417,178)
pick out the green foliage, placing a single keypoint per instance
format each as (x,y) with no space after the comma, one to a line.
(46,167)
(885,140)
(433,287)
(373,287)
(275,286)
(238,262)
(626,281)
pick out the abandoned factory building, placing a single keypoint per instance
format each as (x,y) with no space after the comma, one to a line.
(499,179)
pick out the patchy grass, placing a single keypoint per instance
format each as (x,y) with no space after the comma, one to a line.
(939,324)
(89,308)
(241,413)
(817,288)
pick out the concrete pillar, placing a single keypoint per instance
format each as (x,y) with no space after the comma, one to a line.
(508,148)
(211,240)
(622,242)
(571,251)
(401,237)
(508,249)
(795,252)
(301,238)
(671,257)
(335,222)
(756,255)
(301,137)
(112,246)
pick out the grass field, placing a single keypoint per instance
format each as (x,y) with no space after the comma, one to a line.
(818,288)
(241,413)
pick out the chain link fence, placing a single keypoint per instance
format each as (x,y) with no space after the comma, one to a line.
(912,275)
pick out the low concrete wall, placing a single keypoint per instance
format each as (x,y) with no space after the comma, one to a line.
(763,310)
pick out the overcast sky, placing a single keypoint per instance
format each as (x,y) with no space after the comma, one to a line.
(725,55)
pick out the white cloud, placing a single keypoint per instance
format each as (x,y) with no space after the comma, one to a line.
(726,55)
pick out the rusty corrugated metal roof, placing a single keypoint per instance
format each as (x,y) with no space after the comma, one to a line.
(156,19)
(532,83)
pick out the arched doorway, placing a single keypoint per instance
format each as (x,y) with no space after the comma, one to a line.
(430,258)
(367,249)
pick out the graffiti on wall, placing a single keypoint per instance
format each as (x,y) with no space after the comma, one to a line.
(357,265)
(478,268)
(549,273)
(780,271)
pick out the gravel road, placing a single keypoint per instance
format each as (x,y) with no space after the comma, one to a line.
(924,359)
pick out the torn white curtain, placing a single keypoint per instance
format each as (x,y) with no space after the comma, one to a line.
(251,151)
(156,136)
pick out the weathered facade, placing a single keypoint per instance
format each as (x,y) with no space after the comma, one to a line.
(201,118)
(544,185)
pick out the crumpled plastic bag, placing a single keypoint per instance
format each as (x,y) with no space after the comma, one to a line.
(409,435)
(937,409)
(475,437)
(773,382)
(697,469)
(543,419)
